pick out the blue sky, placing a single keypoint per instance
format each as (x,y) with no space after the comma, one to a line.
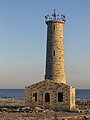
(23,41)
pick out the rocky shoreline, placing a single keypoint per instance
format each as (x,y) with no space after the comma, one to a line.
(14,109)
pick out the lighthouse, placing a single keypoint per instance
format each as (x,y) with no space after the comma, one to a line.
(52,92)
(55,69)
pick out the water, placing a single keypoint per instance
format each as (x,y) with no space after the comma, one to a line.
(83,93)
(12,93)
(19,93)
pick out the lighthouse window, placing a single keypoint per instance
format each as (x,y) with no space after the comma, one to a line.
(47,97)
(35,97)
(60,97)
(54,27)
(54,53)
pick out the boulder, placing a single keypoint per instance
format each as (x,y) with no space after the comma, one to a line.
(38,109)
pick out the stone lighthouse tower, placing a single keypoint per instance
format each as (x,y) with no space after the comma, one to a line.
(52,92)
(55,48)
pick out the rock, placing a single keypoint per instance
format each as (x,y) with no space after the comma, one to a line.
(46,110)
(26,109)
(4,109)
(86,117)
(38,109)
(76,110)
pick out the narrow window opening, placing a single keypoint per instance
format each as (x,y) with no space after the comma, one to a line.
(54,53)
(60,97)
(35,97)
(47,97)
(54,27)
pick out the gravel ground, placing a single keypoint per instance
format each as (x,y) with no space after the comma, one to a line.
(14,109)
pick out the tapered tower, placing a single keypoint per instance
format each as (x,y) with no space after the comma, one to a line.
(55,48)
(53,92)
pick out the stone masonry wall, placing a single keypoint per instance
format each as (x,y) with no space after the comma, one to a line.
(51,87)
(72,97)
